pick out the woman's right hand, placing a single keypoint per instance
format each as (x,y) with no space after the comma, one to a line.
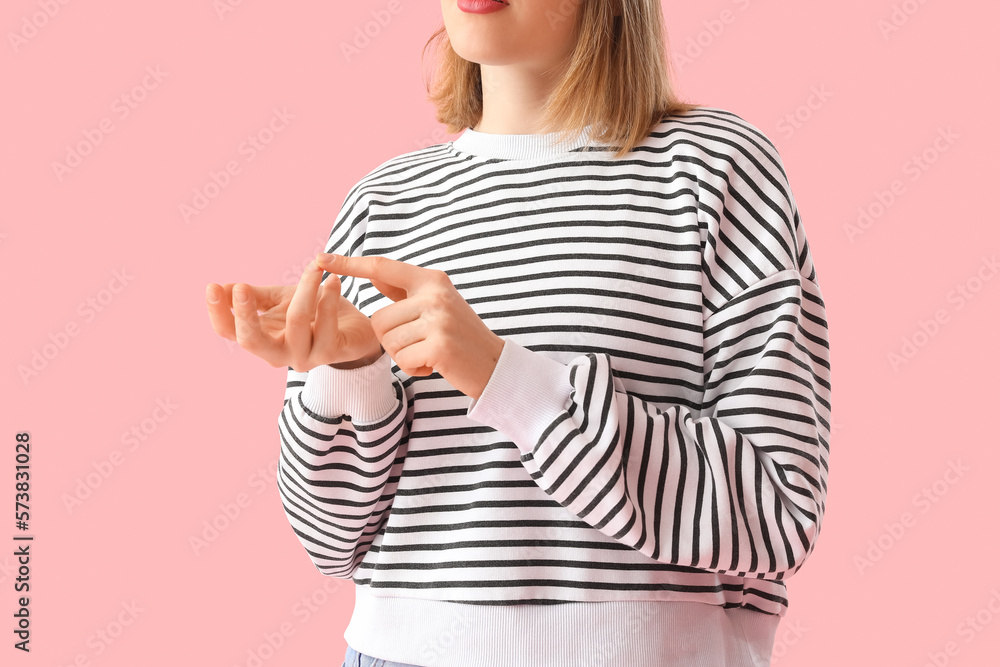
(301,326)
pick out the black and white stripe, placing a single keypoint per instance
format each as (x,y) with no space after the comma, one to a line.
(676,289)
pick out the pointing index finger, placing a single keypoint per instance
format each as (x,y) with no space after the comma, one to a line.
(392,277)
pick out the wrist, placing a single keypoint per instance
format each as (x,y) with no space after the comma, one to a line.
(358,363)
(487,370)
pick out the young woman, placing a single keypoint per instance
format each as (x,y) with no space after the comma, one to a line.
(570,404)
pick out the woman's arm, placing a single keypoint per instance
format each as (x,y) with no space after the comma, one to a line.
(340,432)
(739,489)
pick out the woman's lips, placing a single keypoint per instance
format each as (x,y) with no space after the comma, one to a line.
(482,6)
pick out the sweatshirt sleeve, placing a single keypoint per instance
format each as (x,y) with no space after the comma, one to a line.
(340,431)
(737,487)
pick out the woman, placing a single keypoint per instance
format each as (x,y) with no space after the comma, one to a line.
(573,405)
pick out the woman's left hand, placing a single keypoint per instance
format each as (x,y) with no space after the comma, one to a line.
(430,326)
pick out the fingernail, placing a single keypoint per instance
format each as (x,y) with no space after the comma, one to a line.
(240,295)
(328,258)
(211,295)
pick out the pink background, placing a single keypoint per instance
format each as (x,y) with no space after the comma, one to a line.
(898,577)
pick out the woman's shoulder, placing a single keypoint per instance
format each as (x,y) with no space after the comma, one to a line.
(751,219)
(711,119)
(393,175)
(714,131)
(408,161)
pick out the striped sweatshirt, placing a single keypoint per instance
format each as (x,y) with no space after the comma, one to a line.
(655,435)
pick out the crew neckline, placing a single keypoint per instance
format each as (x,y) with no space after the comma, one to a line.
(518,146)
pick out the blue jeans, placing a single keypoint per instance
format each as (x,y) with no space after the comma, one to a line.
(355,659)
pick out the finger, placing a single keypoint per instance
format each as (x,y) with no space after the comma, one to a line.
(301,310)
(327,331)
(393,293)
(412,359)
(384,273)
(267,296)
(394,315)
(400,338)
(334,264)
(219,313)
(248,332)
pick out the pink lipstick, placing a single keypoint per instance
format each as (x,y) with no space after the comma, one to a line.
(481,6)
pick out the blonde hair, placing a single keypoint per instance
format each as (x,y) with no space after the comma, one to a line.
(617,78)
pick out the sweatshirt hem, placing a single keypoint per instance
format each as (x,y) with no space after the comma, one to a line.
(450,634)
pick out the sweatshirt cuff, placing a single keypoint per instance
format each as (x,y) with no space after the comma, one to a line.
(367,393)
(525,394)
